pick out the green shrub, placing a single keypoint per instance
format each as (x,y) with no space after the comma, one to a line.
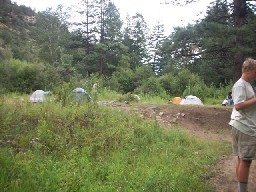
(123,81)
(151,86)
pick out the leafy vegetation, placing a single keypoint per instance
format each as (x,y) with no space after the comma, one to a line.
(90,147)
(45,49)
(20,77)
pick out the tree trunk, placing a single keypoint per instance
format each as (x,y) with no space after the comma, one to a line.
(239,13)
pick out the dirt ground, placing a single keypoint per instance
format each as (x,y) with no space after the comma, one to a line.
(208,122)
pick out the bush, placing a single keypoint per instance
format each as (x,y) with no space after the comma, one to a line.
(150,86)
(123,81)
(170,84)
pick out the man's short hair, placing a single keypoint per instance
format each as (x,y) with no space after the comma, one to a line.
(249,64)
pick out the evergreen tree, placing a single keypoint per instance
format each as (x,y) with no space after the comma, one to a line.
(88,22)
(155,41)
(135,39)
(241,11)
(101,36)
(110,35)
(84,38)
(215,41)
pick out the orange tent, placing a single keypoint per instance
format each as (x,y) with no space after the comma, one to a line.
(176,100)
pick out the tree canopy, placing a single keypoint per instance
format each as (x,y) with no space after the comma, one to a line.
(100,42)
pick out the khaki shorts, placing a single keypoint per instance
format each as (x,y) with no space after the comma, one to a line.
(244,146)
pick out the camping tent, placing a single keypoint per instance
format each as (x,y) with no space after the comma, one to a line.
(191,100)
(176,100)
(38,96)
(79,90)
(81,93)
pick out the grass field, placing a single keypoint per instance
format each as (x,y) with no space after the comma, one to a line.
(87,147)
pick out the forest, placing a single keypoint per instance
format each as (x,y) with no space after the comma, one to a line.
(44,50)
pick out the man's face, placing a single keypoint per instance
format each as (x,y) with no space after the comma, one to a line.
(251,74)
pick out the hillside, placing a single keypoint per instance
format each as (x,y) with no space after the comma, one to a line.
(14,17)
(15,25)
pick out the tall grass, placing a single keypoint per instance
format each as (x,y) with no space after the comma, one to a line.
(86,147)
(209,96)
(105,94)
(157,99)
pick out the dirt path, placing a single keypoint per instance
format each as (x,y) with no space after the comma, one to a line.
(202,121)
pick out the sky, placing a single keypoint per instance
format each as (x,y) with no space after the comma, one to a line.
(152,10)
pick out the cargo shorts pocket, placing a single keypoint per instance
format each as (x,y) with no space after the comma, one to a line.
(247,150)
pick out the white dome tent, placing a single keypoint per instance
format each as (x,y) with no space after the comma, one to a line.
(38,96)
(191,100)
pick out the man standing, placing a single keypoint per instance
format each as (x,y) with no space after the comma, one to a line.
(243,122)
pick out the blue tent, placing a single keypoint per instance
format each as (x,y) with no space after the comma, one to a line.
(81,94)
(79,90)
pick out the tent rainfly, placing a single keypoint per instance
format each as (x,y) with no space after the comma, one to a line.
(81,94)
(191,100)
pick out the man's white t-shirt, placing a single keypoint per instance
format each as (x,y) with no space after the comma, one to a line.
(245,119)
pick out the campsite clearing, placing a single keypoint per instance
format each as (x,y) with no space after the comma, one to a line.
(208,122)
